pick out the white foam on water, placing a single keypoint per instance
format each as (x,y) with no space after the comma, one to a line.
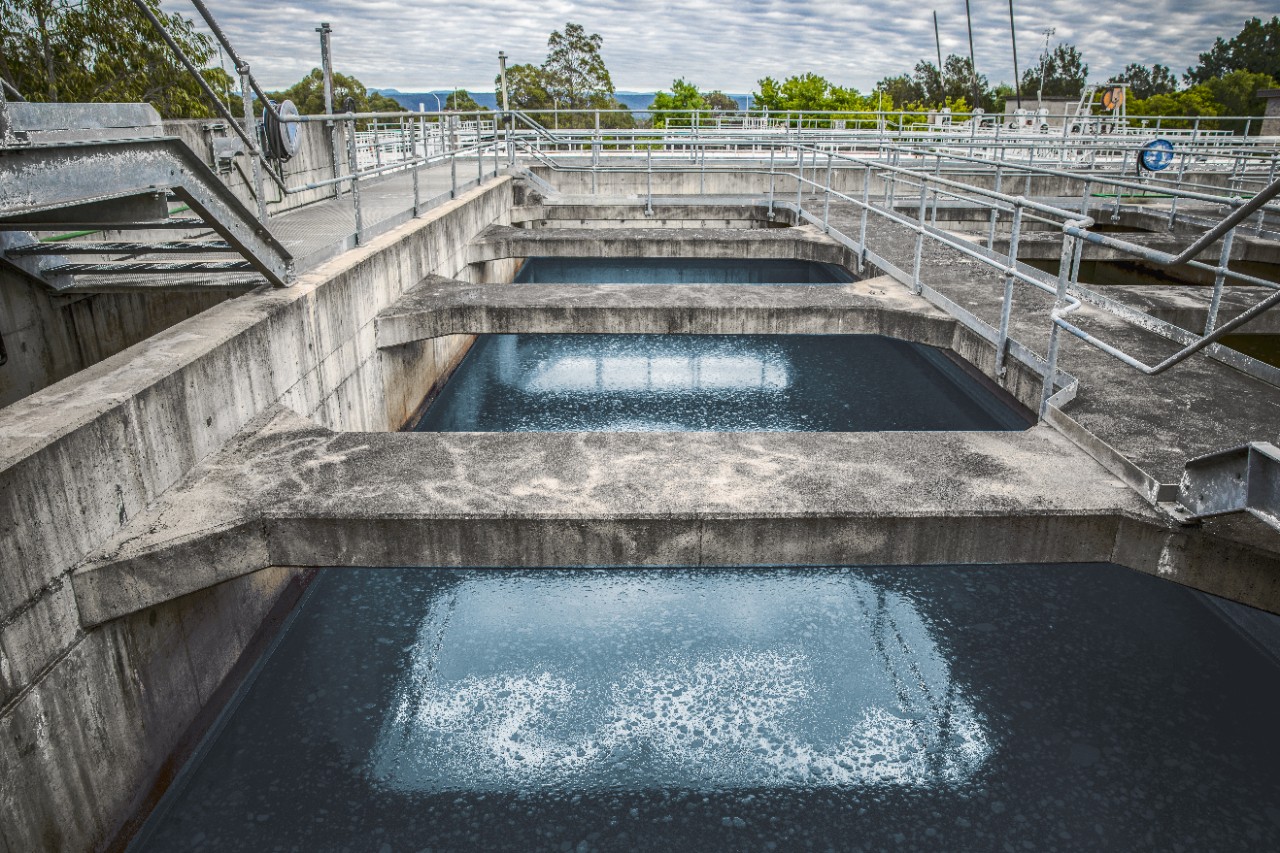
(735,720)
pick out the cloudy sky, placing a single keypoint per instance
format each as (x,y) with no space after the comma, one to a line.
(417,45)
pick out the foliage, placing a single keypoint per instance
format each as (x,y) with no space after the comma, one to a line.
(1237,94)
(926,89)
(681,101)
(1145,82)
(1065,73)
(105,51)
(308,95)
(460,101)
(1196,101)
(1255,48)
(573,76)
(677,106)
(718,100)
(812,92)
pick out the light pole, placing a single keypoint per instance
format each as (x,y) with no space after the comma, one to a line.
(1044,59)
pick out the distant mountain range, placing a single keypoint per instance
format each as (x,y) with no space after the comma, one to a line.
(634,101)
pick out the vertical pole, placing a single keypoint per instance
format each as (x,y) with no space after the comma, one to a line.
(354,171)
(1051,369)
(937,40)
(1173,203)
(326,65)
(1013,35)
(866,208)
(973,65)
(916,285)
(1262,213)
(826,202)
(377,144)
(453,173)
(506,111)
(413,163)
(1124,169)
(251,130)
(773,176)
(995,211)
(1219,278)
(799,182)
(595,147)
(479,154)
(1006,309)
(648,175)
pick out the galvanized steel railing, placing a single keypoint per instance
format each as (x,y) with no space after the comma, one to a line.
(930,184)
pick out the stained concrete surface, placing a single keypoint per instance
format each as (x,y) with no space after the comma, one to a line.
(1063,707)
(440,306)
(289,492)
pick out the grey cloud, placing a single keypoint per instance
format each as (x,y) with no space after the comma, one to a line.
(424,44)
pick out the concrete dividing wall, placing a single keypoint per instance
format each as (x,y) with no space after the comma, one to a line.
(49,337)
(88,719)
(753,177)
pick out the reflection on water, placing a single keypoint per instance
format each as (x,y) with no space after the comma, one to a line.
(943,708)
(788,681)
(722,383)
(679,271)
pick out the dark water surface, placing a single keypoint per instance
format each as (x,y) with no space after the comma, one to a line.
(1063,707)
(713,383)
(679,271)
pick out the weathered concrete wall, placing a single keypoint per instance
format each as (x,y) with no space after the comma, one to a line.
(753,177)
(49,337)
(88,719)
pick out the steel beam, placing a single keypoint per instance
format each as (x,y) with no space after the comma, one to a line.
(1242,479)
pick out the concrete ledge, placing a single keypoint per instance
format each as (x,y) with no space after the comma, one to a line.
(804,243)
(440,306)
(294,493)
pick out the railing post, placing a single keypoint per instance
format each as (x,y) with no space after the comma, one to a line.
(413,162)
(995,211)
(1006,308)
(1173,205)
(595,147)
(1262,212)
(479,155)
(826,202)
(773,175)
(916,285)
(866,209)
(377,144)
(453,173)
(251,130)
(799,182)
(1124,170)
(937,172)
(1051,368)
(354,168)
(1219,278)
(648,174)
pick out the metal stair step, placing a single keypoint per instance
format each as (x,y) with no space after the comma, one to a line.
(86,247)
(151,267)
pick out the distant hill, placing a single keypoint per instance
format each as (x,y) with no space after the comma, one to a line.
(634,101)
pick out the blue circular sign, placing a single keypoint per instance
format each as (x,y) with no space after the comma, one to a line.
(1156,155)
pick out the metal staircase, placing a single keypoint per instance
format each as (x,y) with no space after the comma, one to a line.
(75,171)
